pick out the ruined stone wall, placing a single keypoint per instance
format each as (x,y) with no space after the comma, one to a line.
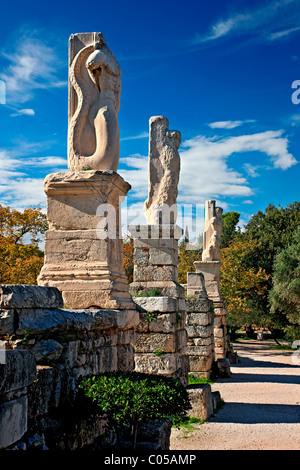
(48,349)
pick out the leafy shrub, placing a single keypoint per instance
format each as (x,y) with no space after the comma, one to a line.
(131,398)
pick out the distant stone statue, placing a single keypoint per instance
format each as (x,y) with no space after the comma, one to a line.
(164,169)
(95,76)
(212,232)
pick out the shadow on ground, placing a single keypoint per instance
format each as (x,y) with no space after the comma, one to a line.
(251,413)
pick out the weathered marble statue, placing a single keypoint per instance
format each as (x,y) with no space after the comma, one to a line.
(212,232)
(164,168)
(95,77)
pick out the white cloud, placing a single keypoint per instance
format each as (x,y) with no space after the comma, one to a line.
(251,170)
(205,172)
(282,34)
(32,65)
(228,124)
(248,201)
(142,135)
(26,112)
(18,188)
(258,22)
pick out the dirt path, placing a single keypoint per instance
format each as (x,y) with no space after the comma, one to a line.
(262,405)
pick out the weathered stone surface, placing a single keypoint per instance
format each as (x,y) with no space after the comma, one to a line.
(153,341)
(157,304)
(36,321)
(13,421)
(79,200)
(94,102)
(166,364)
(167,288)
(7,322)
(163,256)
(200,364)
(163,323)
(201,401)
(164,168)
(196,285)
(198,331)
(199,350)
(46,350)
(212,232)
(222,367)
(155,273)
(27,296)
(199,305)
(18,372)
(199,319)
(44,393)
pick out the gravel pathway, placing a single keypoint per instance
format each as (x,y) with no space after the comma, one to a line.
(262,405)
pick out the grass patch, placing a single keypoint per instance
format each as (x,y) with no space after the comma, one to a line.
(199,380)
(186,424)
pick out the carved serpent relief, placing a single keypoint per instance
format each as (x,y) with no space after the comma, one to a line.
(93,134)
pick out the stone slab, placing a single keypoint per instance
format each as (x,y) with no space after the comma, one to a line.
(28,296)
(18,372)
(13,421)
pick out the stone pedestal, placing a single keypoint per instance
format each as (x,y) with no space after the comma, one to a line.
(84,247)
(156,259)
(211,272)
(161,338)
(199,326)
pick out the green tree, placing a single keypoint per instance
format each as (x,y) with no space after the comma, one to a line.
(230,229)
(274,230)
(285,293)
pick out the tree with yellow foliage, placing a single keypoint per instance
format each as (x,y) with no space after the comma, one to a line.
(21,258)
(241,284)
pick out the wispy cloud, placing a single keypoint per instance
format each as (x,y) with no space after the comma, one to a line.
(32,65)
(258,22)
(142,135)
(24,112)
(228,124)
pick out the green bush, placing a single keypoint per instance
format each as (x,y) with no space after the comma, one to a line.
(131,398)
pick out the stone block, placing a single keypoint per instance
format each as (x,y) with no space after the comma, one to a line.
(200,396)
(44,393)
(18,372)
(151,342)
(47,321)
(198,331)
(199,319)
(166,364)
(46,351)
(155,273)
(13,421)
(27,296)
(161,323)
(163,256)
(199,305)
(167,288)
(157,304)
(7,322)
(200,363)
(199,350)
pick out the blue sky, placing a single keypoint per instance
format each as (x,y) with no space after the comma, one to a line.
(220,71)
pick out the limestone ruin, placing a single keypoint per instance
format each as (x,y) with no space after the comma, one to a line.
(164,169)
(83,318)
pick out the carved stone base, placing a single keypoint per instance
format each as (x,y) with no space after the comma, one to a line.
(83,250)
